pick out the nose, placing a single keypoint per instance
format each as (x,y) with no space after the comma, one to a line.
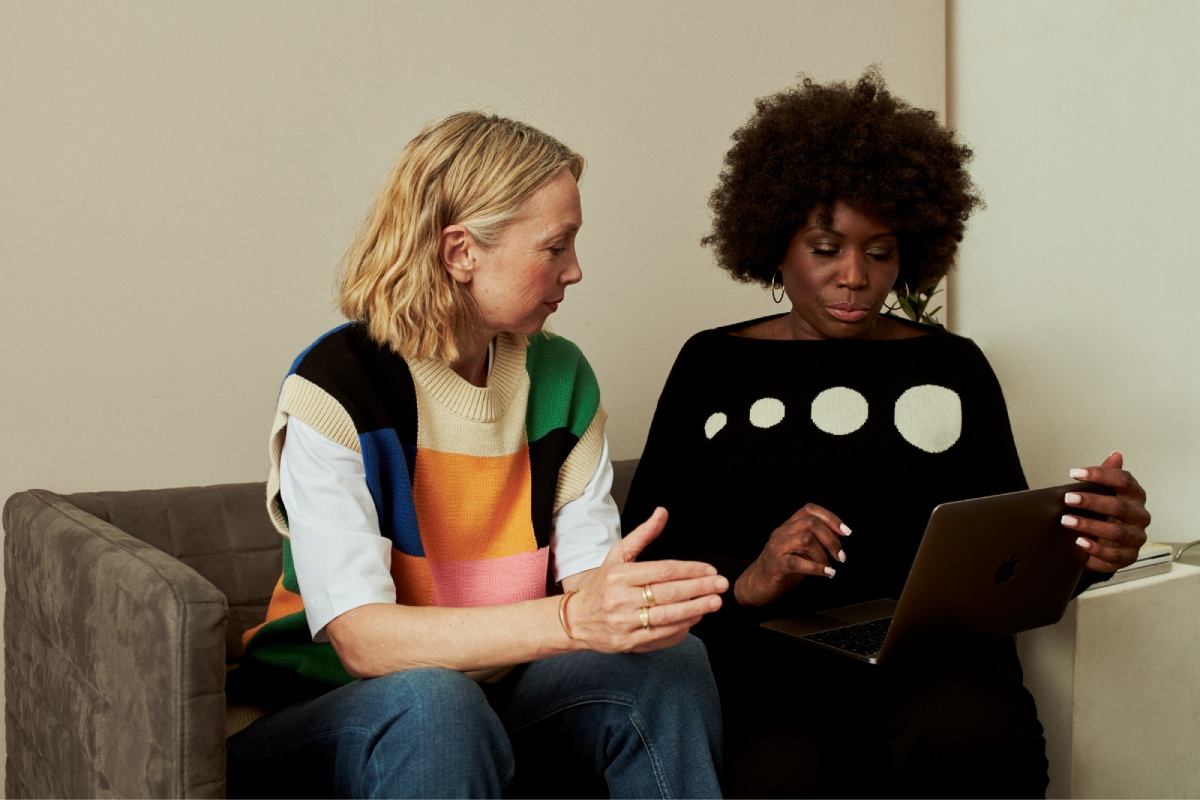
(853,271)
(573,273)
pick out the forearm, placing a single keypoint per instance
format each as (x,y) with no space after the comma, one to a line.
(379,639)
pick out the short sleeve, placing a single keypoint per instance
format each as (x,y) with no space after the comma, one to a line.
(341,560)
(588,526)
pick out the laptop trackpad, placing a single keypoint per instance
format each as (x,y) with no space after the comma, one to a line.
(832,618)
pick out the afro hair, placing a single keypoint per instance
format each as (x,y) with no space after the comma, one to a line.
(808,147)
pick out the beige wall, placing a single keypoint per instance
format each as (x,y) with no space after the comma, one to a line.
(180,179)
(1080,277)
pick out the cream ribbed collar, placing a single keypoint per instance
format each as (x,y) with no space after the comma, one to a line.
(481,403)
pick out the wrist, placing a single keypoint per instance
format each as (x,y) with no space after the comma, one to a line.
(563,610)
(744,588)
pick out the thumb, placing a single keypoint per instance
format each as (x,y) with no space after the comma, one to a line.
(1115,459)
(629,548)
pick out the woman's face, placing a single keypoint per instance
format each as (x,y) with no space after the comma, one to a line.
(520,281)
(837,272)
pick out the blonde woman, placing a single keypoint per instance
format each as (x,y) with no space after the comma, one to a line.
(439,472)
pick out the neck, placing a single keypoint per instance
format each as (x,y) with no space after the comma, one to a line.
(472,363)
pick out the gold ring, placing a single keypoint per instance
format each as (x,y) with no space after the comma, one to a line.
(647,595)
(644,616)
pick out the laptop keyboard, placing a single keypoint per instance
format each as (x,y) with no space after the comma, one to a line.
(864,638)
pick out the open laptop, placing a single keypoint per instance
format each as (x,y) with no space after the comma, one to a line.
(990,565)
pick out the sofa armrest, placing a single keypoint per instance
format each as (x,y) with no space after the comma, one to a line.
(114,657)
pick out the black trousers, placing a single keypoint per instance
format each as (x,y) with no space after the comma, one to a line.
(950,721)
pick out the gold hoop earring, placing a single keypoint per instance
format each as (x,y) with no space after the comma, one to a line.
(778,298)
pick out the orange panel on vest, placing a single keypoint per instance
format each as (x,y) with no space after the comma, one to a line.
(414,582)
(473,507)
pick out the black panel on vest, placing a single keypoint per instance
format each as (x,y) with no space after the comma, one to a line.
(546,457)
(371,382)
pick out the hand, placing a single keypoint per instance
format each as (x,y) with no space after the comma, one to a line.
(1113,542)
(606,614)
(804,545)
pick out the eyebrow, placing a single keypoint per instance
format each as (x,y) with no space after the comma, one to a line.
(820,226)
(562,230)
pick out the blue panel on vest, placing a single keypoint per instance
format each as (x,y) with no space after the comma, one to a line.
(389,477)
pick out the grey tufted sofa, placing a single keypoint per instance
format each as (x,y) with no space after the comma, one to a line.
(123,612)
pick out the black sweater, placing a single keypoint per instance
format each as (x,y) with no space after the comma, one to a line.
(879,432)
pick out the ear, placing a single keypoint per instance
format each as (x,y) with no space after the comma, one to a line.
(454,249)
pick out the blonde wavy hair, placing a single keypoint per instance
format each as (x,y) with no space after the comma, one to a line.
(469,169)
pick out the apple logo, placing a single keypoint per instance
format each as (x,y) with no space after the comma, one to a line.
(1005,572)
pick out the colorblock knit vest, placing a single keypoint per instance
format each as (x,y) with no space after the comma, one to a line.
(465,480)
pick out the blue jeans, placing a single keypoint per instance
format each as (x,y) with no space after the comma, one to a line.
(647,724)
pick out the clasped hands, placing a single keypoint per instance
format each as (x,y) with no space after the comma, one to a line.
(626,605)
(1112,542)
(809,542)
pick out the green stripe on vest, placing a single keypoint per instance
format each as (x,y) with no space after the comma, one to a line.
(559,373)
(286,643)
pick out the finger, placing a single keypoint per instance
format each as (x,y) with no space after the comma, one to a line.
(1110,533)
(677,613)
(660,638)
(639,573)
(829,540)
(677,591)
(825,515)
(814,537)
(1115,459)
(1104,557)
(1098,565)
(805,566)
(1120,507)
(632,545)
(1119,480)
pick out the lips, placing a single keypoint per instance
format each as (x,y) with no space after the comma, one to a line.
(553,304)
(848,312)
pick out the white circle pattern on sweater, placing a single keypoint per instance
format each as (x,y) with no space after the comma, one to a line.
(839,411)
(767,412)
(929,417)
(714,424)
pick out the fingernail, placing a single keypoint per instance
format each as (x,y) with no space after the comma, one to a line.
(1070,521)
(841,556)
(845,529)
(711,570)
(830,571)
(1072,498)
(722,583)
(1083,543)
(1113,453)
(1079,473)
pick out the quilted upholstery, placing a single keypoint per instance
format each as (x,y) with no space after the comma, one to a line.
(222,532)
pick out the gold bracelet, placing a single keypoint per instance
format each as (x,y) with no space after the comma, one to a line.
(562,612)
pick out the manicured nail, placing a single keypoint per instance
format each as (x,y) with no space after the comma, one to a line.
(830,571)
(845,529)
(1084,543)
(1113,453)
(841,556)
(1079,473)
(1072,498)
(1070,521)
